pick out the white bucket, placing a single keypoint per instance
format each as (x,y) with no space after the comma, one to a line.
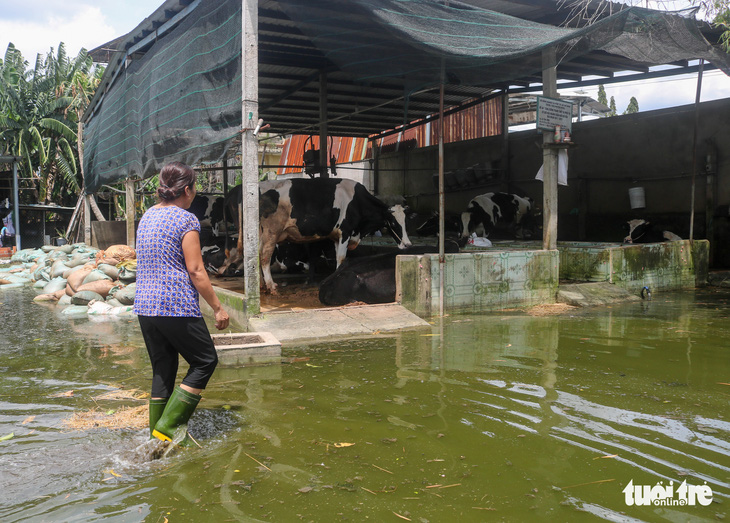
(636,198)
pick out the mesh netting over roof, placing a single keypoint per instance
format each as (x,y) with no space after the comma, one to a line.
(375,39)
(182,99)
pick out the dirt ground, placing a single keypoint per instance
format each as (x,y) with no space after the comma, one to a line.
(293,294)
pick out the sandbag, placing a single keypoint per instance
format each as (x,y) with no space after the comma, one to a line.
(54,285)
(75,310)
(58,268)
(17,278)
(84,297)
(41,273)
(45,297)
(59,294)
(75,262)
(101,287)
(120,252)
(109,270)
(26,255)
(95,275)
(70,271)
(128,275)
(11,286)
(107,260)
(76,278)
(64,300)
(104,308)
(125,296)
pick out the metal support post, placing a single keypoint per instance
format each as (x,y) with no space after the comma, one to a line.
(550,159)
(249,154)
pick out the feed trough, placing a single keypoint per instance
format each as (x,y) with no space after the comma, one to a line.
(247,348)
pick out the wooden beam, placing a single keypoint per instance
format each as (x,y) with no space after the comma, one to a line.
(130,214)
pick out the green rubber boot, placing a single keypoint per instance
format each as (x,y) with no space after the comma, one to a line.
(157,407)
(173,425)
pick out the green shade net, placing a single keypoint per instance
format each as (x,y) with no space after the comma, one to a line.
(182,99)
(376,40)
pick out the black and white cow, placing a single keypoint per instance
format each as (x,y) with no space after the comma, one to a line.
(305,210)
(452,225)
(368,279)
(485,211)
(643,231)
(208,208)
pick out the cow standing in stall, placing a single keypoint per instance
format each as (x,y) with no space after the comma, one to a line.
(307,210)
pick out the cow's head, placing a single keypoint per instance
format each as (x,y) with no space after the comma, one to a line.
(636,229)
(396,224)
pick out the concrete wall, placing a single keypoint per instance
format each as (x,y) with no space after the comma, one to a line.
(480,281)
(650,149)
(660,266)
(475,282)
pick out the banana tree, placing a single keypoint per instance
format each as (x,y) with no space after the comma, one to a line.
(39,114)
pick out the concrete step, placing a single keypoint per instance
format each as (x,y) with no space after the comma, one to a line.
(590,294)
(341,322)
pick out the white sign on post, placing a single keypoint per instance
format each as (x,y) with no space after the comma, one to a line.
(552,112)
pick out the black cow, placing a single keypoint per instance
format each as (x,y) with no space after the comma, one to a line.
(290,257)
(643,231)
(307,210)
(214,256)
(369,279)
(430,227)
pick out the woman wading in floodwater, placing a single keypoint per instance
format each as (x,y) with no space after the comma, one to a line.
(170,276)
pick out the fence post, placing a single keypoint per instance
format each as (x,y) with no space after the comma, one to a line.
(130,211)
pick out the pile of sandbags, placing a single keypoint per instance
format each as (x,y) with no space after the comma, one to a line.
(81,278)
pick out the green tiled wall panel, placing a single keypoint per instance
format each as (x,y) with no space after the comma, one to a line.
(478,281)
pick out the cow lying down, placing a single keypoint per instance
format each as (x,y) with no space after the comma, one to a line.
(643,231)
(368,279)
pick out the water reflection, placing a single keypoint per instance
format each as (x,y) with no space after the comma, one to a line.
(505,416)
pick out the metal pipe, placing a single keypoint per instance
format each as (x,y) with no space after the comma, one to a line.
(16,206)
(442,202)
(694,152)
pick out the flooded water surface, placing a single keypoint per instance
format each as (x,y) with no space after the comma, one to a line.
(503,416)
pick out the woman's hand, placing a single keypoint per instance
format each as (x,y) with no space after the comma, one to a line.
(221,319)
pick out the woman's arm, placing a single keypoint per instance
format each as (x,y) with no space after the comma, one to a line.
(199,277)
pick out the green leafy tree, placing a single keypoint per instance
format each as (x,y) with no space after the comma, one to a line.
(602,95)
(633,106)
(39,113)
(612,106)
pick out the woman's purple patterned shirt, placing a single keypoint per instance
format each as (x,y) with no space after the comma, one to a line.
(163,284)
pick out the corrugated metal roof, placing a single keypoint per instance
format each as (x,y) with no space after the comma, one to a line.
(478,121)
(345,149)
